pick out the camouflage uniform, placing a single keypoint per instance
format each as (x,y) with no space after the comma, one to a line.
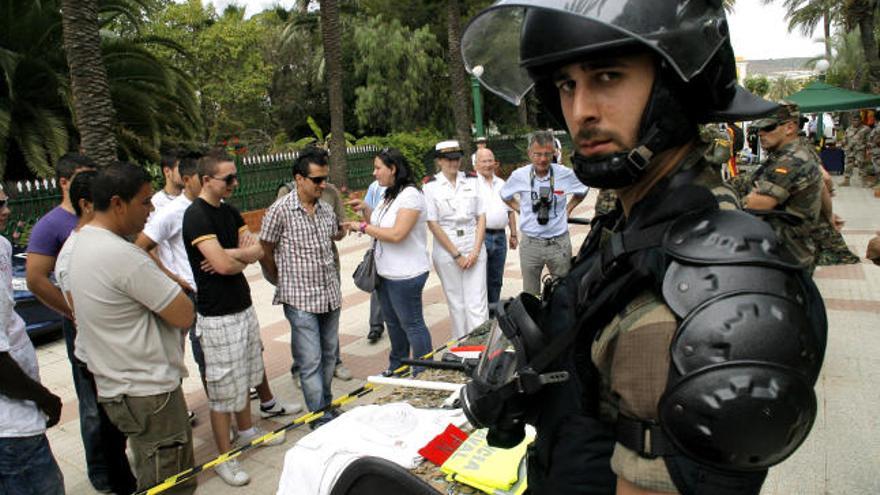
(855,142)
(831,249)
(792,177)
(606,202)
(632,352)
(874,149)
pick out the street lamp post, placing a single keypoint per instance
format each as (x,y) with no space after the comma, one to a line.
(821,68)
(476,72)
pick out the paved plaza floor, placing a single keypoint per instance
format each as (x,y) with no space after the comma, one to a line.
(839,457)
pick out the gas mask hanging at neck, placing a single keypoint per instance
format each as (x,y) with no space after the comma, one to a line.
(504,378)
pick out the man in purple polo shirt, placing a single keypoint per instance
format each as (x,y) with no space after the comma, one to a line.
(104,444)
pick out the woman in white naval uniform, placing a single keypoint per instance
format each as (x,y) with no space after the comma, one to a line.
(457,219)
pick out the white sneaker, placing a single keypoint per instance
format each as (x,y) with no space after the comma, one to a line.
(244,439)
(342,372)
(280,409)
(232,473)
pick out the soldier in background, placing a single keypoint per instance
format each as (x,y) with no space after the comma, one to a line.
(855,142)
(789,181)
(873,168)
(831,248)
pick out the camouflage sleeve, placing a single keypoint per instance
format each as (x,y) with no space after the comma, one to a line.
(632,354)
(785,177)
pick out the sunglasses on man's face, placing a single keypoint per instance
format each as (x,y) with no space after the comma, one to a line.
(229,179)
(3,203)
(317,180)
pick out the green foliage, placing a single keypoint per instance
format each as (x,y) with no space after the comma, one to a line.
(781,87)
(758,85)
(415,146)
(223,56)
(848,66)
(151,97)
(395,64)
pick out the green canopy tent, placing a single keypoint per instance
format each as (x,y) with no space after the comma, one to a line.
(821,97)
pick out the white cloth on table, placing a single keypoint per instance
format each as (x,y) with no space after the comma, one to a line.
(394,432)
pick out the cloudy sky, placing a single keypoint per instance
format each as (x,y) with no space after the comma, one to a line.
(757,31)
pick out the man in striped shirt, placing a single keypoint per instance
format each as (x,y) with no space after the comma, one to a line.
(297,237)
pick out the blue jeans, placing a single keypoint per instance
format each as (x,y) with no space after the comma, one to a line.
(496,256)
(402,308)
(28,467)
(314,342)
(198,353)
(103,443)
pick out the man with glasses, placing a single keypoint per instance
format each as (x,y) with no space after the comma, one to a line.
(219,247)
(543,188)
(297,236)
(789,181)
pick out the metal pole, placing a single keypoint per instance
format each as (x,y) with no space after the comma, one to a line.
(478,106)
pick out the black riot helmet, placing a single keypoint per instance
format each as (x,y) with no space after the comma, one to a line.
(519,44)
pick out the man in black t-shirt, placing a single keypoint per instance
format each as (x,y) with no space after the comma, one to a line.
(219,247)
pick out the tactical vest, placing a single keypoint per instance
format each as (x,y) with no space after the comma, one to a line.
(751,324)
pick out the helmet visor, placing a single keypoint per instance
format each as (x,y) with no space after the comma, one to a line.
(685,34)
(498,363)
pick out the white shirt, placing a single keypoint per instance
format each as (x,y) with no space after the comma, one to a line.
(496,208)
(455,207)
(62,263)
(564,182)
(18,418)
(161,199)
(165,228)
(409,257)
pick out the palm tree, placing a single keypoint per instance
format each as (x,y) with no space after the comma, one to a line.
(33,107)
(333,59)
(781,88)
(458,77)
(861,14)
(95,117)
(847,68)
(805,15)
(152,99)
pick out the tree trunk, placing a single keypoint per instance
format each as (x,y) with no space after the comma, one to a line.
(95,116)
(869,46)
(331,35)
(861,13)
(461,99)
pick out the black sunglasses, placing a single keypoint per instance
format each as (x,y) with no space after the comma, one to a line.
(317,180)
(229,179)
(772,127)
(3,202)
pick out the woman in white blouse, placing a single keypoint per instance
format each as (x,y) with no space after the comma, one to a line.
(398,225)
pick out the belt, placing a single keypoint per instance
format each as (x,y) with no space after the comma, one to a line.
(495,231)
(547,239)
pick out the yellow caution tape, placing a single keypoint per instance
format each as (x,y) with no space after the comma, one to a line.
(367,388)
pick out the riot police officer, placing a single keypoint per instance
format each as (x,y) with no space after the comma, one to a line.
(647,368)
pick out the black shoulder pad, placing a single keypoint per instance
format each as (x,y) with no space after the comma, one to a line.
(725,237)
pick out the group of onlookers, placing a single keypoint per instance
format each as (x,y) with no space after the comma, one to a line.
(138,271)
